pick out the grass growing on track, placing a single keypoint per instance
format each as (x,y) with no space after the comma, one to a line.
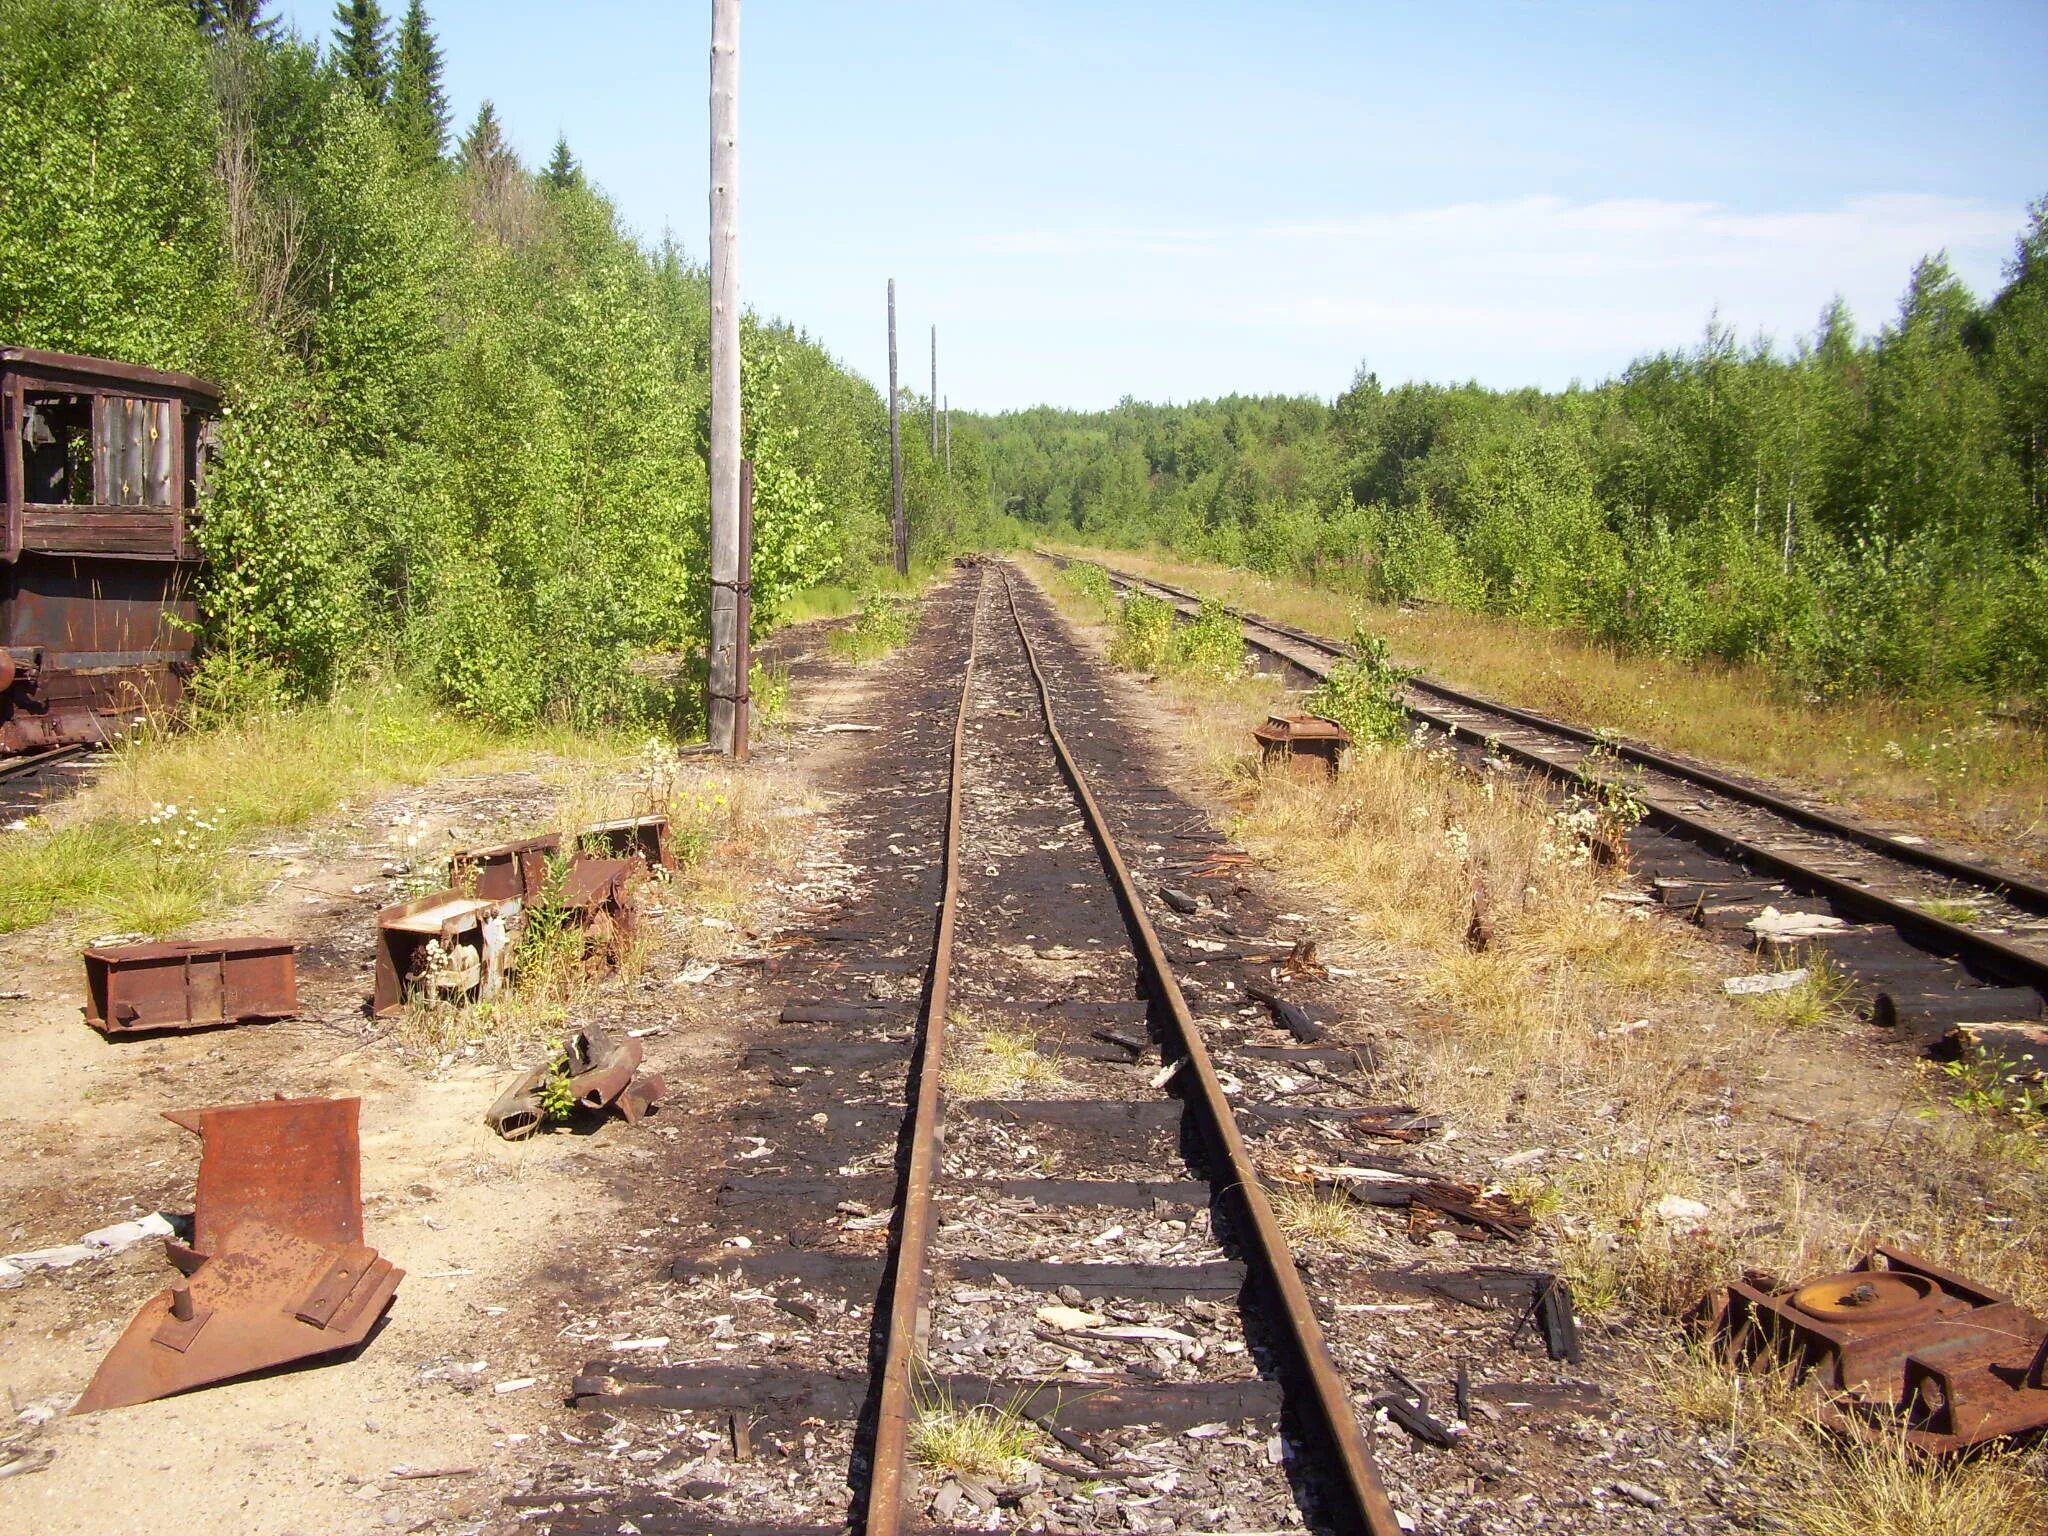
(982,1440)
(993,1062)
(1953,768)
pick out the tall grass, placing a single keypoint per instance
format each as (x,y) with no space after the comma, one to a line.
(151,846)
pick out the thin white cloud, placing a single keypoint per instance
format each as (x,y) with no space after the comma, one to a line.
(1528,290)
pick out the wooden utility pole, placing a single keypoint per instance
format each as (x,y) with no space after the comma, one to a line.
(897,526)
(725,683)
(935,391)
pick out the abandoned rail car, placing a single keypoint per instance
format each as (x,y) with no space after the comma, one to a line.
(102,465)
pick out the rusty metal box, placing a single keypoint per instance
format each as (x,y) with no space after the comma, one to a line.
(192,984)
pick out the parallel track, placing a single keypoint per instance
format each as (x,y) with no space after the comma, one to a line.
(1864,874)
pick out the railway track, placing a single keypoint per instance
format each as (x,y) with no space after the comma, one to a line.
(1082,1242)
(1723,850)
(30,782)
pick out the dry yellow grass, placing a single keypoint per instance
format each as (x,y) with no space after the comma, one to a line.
(1602,1034)
(991,1061)
(1950,768)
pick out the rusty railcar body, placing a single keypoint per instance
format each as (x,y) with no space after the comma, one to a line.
(102,464)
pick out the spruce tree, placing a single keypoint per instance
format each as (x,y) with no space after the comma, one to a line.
(419,106)
(562,170)
(360,35)
(485,154)
(223,18)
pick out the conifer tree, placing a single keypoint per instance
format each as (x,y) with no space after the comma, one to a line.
(562,170)
(419,105)
(485,154)
(224,18)
(360,38)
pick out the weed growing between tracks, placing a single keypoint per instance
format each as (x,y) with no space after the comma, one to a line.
(993,1062)
(1683,1137)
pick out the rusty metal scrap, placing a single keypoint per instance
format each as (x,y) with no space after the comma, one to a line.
(265,1298)
(277,1270)
(600,1073)
(194,984)
(1898,1341)
(446,945)
(292,1163)
(509,871)
(1307,745)
(643,837)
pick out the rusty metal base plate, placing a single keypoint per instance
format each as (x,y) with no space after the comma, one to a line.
(264,1299)
(1898,1341)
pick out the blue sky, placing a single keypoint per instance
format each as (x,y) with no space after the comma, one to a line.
(1171,201)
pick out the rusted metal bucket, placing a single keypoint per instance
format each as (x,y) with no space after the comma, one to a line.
(193,984)
(1306,745)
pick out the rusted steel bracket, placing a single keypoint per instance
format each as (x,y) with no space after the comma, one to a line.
(295,1164)
(1902,1340)
(193,984)
(1307,745)
(265,1298)
(446,945)
(508,871)
(601,1073)
(643,837)
(521,869)
(277,1271)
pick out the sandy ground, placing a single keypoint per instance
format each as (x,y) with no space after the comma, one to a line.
(498,1239)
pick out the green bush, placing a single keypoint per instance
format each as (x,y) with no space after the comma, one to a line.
(1209,644)
(1363,691)
(1144,633)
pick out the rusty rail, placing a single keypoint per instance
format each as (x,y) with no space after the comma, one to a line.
(886,1508)
(1984,952)
(1329,1413)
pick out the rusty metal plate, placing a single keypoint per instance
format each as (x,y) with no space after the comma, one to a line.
(292,1164)
(265,1298)
(643,837)
(507,871)
(195,984)
(1897,1339)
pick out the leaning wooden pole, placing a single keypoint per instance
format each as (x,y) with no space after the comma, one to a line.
(724,685)
(898,528)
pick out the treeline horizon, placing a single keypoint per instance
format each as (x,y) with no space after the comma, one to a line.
(468,410)
(1860,513)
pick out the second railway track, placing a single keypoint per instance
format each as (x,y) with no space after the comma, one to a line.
(1724,849)
(1030,1252)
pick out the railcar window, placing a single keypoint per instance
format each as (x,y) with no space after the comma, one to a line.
(135,448)
(56,449)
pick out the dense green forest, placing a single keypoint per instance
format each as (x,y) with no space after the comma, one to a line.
(467,414)
(1860,513)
